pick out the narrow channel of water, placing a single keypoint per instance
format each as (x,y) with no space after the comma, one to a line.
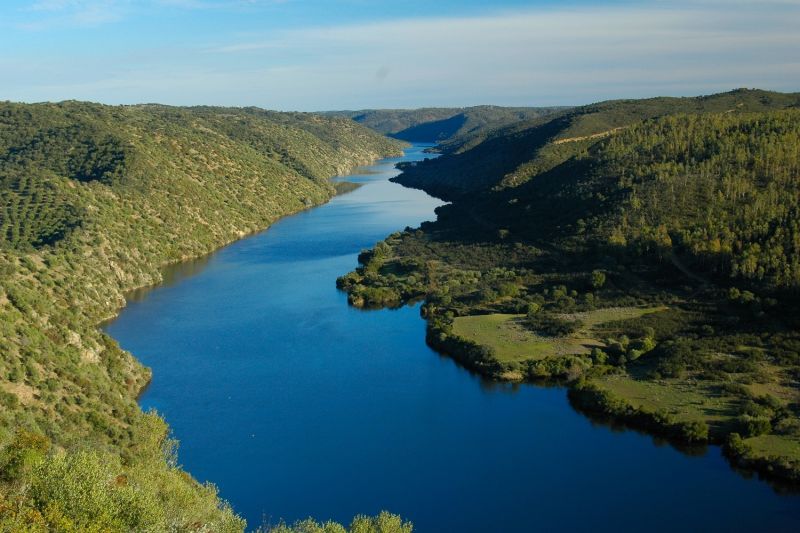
(297,405)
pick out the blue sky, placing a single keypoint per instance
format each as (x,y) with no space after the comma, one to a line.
(315,55)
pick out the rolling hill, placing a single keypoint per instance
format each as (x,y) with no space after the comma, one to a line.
(647,252)
(512,154)
(94,200)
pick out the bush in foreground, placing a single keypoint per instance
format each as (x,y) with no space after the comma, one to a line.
(383,523)
(44,488)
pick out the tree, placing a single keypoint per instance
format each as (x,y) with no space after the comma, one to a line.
(598,279)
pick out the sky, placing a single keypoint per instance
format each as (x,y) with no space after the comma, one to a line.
(312,55)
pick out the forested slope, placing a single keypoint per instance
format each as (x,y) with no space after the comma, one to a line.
(656,268)
(512,154)
(93,201)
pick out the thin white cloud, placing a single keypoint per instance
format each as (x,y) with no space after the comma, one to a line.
(558,55)
(546,52)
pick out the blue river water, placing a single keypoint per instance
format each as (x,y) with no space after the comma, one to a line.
(296,405)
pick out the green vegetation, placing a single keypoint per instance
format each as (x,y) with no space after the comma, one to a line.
(519,338)
(686,402)
(383,523)
(647,252)
(94,490)
(504,334)
(94,200)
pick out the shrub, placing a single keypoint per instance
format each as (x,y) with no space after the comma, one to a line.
(24,451)
(599,357)
(752,426)
(8,399)
(694,431)
(383,523)
(598,279)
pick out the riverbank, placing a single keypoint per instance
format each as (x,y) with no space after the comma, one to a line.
(100,199)
(156,278)
(581,261)
(784,473)
(520,324)
(339,188)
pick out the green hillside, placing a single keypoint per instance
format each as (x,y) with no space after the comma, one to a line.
(511,155)
(435,124)
(656,268)
(94,200)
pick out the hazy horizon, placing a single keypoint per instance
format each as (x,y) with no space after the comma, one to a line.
(353,110)
(309,55)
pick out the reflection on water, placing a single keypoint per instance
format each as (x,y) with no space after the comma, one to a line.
(171,274)
(617,426)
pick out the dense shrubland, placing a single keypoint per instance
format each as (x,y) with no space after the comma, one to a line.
(723,189)
(507,156)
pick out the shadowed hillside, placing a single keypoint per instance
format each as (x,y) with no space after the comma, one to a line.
(442,124)
(644,251)
(512,154)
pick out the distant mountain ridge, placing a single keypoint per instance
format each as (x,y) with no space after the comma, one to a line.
(511,154)
(435,124)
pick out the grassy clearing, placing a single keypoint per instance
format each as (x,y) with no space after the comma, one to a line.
(505,335)
(774,445)
(686,400)
(511,341)
(590,319)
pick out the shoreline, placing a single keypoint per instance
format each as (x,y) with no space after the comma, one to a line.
(182,187)
(588,382)
(588,399)
(244,235)
(585,395)
(128,292)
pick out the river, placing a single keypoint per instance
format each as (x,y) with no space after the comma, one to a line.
(296,405)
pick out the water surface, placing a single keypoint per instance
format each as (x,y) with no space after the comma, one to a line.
(297,405)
